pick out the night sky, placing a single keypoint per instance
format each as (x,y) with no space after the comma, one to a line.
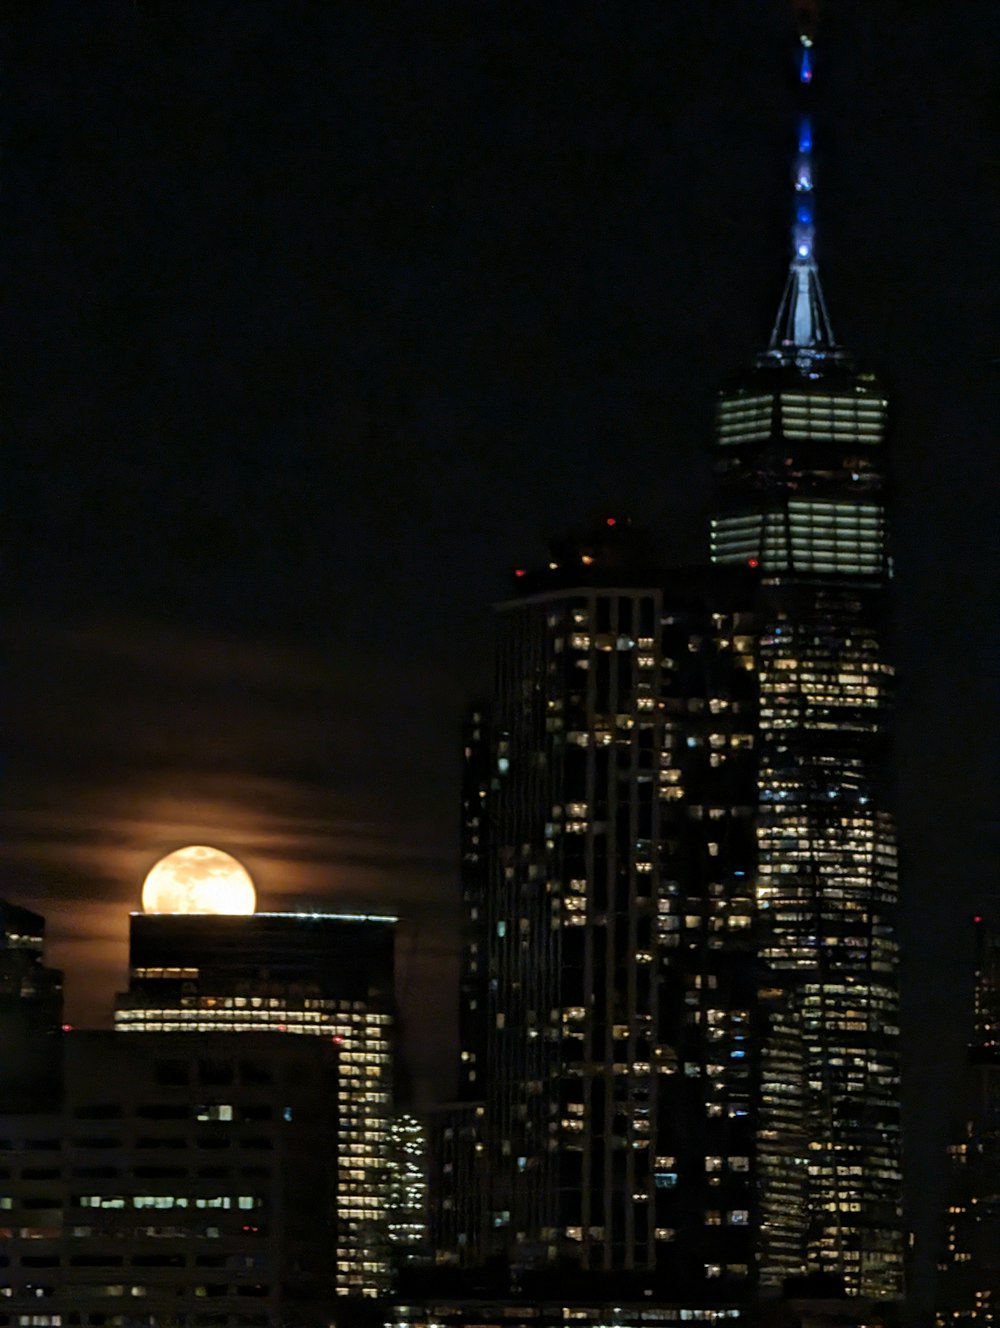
(320,316)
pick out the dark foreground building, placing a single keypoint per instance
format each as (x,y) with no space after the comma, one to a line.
(969,1262)
(31,1009)
(325,975)
(181,1182)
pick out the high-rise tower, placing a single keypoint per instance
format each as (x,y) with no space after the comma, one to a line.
(318,974)
(969,1263)
(31,1004)
(800,497)
(621,1022)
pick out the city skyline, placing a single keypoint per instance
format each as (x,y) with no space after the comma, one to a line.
(239,776)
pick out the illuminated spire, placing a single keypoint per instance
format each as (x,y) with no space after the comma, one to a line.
(802,329)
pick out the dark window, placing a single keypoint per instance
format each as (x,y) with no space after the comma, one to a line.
(254,1075)
(215,1072)
(172,1073)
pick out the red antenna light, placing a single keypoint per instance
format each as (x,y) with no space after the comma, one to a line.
(519,571)
(611,521)
(978,918)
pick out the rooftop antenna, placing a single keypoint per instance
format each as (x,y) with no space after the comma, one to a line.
(802,330)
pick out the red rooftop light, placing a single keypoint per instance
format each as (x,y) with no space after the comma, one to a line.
(611,521)
(753,562)
(519,571)
(978,918)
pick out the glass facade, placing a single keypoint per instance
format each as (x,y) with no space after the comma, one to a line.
(324,975)
(408,1189)
(801,476)
(800,500)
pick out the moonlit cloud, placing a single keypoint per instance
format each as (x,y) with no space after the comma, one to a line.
(127,741)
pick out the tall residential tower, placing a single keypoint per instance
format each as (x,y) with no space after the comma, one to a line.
(621,997)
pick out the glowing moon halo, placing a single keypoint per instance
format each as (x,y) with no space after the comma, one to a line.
(198,879)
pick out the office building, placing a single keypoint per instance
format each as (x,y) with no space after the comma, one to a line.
(969,1262)
(801,499)
(459,1184)
(321,974)
(179,1181)
(408,1190)
(459,1164)
(569,1309)
(31,1007)
(479,782)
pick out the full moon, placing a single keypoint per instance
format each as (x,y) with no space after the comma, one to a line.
(198,879)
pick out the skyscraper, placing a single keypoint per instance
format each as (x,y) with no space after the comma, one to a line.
(801,498)
(969,1263)
(620,1009)
(323,974)
(31,1004)
(479,778)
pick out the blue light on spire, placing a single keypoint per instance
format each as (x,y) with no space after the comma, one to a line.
(802,329)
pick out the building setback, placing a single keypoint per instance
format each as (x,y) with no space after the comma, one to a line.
(326,975)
